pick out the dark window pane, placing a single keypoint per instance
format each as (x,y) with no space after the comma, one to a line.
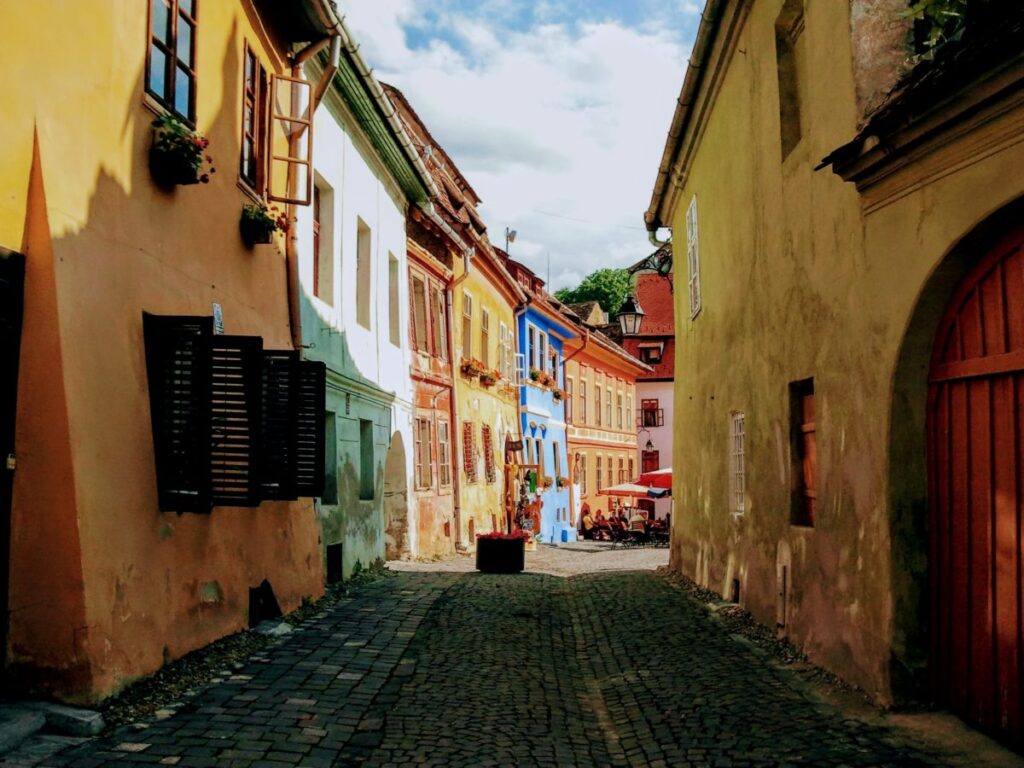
(161,20)
(185,41)
(158,72)
(188,6)
(182,92)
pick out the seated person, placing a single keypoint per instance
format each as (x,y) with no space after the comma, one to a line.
(637,517)
(587,521)
(600,526)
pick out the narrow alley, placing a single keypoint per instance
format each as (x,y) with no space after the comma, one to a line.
(442,668)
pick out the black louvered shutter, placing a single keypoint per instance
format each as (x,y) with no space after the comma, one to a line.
(279,416)
(235,398)
(177,366)
(308,433)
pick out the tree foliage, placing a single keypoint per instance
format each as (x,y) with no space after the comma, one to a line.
(608,287)
(937,22)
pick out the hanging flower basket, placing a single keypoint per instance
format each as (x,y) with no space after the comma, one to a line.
(177,155)
(501,552)
(557,394)
(472,367)
(489,378)
(259,223)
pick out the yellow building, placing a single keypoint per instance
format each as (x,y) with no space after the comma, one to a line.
(124,550)
(812,320)
(600,408)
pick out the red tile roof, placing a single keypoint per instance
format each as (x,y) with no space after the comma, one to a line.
(655,296)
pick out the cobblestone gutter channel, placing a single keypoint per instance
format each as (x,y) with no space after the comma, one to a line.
(448,669)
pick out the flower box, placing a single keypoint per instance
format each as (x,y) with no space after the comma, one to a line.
(177,155)
(169,170)
(255,233)
(503,554)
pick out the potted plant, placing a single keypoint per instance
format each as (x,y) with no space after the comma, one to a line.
(562,482)
(178,154)
(489,378)
(259,223)
(501,552)
(557,394)
(546,482)
(534,374)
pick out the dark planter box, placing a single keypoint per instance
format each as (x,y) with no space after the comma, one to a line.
(254,233)
(169,170)
(500,555)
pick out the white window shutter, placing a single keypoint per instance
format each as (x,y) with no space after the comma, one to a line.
(693,257)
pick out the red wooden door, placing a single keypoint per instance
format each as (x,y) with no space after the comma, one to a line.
(976,437)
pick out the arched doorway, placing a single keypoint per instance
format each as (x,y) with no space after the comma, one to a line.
(396,501)
(975,427)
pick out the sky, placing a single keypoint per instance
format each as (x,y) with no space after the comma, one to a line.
(555,111)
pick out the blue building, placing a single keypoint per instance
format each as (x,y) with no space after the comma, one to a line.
(542,332)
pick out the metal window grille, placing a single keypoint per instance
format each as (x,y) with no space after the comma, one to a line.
(737,463)
(469,450)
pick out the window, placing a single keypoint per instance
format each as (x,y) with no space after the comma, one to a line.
(608,407)
(233,424)
(366,461)
(582,479)
(542,350)
(504,352)
(469,451)
(622,470)
(693,257)
(538,451)
(618,410)
(569,393)
(394,323)
(531,345)
(629,405)
(651,353)
(440,334)
(485,438)
(467,325)
(804,452)
(737,463)
(422,445)
(252,164)
(418,289)
(290,140)
(553,363)
(597,407)
(583,402)
(650,461)
(632,470)
(600,474)
(330,494)
(323,241)
(485,337)
(650,414)
(363,266)
(789,55)
(444,449)
(171,63)
(556,461)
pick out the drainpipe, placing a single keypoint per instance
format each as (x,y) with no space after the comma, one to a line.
(694,73)
(456,425)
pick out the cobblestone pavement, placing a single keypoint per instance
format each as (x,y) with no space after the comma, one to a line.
(456,669)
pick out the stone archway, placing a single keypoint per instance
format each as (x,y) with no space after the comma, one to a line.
(396,501)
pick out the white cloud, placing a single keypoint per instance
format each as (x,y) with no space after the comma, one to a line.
(563,119)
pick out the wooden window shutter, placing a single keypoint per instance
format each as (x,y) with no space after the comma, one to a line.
(278,415)
(177,366)
(234,419)
(291,141)
(309,430)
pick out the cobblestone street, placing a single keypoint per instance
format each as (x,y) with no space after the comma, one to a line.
(443,668)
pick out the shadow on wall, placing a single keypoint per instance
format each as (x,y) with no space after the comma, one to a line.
(908,471)
(396,501)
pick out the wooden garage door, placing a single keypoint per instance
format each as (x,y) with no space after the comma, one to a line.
(975,432)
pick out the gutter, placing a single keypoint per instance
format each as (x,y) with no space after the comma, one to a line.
(680,120)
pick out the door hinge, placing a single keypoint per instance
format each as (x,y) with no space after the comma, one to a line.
(11,462)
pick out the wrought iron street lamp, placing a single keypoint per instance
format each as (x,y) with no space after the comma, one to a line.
(631,314)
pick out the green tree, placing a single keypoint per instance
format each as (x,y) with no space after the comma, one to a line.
(608,287)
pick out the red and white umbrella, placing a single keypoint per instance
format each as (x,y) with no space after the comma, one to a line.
(658,478)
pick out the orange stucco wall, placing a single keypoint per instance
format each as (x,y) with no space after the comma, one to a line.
(104,587)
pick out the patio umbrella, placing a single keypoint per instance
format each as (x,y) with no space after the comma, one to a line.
(626,489)
(659,478)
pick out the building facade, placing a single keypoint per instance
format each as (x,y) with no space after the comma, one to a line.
(600,395)
(543,331)
(850,348)
(654,344)
(152,500)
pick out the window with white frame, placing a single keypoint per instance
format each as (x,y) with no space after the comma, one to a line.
(504,352)
(693,256)
(582,478)
(467,325)
(737,463)
(485,337)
